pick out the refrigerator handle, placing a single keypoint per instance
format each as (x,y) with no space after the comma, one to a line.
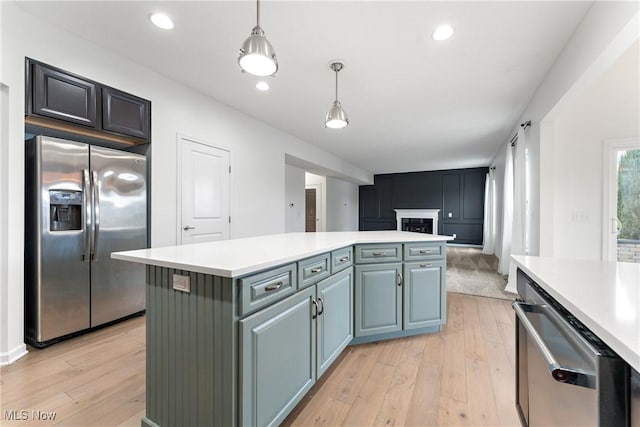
(86,244)
(96,216)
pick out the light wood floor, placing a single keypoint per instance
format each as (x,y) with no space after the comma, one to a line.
(463,376)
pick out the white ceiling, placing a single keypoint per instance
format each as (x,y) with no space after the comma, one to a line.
(414,104)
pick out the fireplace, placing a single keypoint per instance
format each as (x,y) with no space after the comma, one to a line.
(417,220)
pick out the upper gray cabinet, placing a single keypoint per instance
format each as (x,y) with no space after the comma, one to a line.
(125,113)
(63,96)
(52,93)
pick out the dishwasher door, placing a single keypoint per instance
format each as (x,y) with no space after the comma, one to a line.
(557,383)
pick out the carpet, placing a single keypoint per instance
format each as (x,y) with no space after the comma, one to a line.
(469,271)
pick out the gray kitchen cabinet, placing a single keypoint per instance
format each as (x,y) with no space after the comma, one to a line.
(244,350)
(378,297)
(277,359)
(335,319)
(424,294)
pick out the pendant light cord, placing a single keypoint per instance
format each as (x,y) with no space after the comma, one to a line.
(336,85)
(258,13)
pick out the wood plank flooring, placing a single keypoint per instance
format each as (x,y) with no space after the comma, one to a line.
(463,376)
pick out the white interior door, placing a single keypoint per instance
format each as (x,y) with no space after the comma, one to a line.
(614,210)
(203,202)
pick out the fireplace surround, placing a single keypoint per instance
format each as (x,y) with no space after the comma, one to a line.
(409,220)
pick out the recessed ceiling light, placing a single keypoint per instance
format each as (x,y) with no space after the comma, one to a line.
(262,86)
(443,32)
(161,20)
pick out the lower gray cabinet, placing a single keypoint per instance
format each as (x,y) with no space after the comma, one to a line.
(335,321)
(285,347)
(277,359)
(378,297)
(424,299)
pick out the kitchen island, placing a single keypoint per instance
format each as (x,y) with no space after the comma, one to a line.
(239,330)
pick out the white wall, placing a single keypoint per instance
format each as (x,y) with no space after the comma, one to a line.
(294,199)
(257,150)
(342,205)
(607,108)
(597,35)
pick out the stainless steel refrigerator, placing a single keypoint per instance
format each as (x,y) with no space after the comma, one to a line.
(82,202)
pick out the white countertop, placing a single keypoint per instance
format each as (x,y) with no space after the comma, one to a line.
(605,296)
(237,257)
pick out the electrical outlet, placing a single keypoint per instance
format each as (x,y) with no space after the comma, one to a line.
(454,235)
(450,214)
(181,283)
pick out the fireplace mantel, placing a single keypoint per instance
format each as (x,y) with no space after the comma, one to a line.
(417,213)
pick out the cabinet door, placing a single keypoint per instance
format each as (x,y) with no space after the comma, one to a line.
(277,359)
(335,321)
(125,113)
(424,294)
(62,96)
(378,299)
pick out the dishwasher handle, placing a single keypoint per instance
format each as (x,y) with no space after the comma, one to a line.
(558,372)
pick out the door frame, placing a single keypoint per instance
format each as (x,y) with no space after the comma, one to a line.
(320,212)
(179,138)
(610,148)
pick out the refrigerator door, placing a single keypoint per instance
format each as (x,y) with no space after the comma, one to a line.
(119,196)
(56,271)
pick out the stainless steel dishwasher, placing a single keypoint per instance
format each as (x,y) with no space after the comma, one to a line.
(565,375)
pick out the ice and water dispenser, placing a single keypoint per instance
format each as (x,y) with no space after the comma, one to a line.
(65,210)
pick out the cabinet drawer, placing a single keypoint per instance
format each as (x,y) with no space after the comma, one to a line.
(417,251)
(378,253)
(312,270)
(341,259)
(267,287)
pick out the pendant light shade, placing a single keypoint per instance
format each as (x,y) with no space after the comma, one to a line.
(336,117)
(257,56)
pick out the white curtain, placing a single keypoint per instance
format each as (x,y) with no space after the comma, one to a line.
(507,213)
(489,232)
(518,231)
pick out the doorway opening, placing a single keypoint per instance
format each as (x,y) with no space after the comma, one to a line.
(315,202)
(621,225)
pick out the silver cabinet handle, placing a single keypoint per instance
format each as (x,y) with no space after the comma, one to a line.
(315,304)
(273,287)
(343,259)
(86,244)
(321,306)
(187,228)
(425,251)
(426,265)
(558,372)
(399,279)
(96,216)
(379,253)
(316,270)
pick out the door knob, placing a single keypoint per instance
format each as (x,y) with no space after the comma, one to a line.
(187,228)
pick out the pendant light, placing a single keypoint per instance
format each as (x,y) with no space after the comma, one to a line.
(336,117)
(257,56)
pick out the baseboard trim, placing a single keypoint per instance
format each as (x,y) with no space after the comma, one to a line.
(13,355)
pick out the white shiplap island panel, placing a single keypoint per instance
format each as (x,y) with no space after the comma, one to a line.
(605,296)
(238,257)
